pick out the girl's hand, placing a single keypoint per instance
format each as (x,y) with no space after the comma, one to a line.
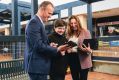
(69,50)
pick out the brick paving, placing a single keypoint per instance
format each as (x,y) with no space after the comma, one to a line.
(4,57)
(97,76)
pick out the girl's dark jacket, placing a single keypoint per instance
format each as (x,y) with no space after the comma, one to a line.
(58,63)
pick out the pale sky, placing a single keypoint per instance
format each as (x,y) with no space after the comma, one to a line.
(59,2)
(55,2)
(102,5)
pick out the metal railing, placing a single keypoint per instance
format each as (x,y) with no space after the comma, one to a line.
(11,58)
(12,70)
(11,47)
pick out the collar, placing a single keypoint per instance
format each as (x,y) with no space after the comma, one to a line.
(40,19)
(54,33)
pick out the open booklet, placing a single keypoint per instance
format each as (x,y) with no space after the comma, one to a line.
(71,44)
(93,43)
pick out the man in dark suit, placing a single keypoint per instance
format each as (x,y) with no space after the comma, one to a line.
(38,51)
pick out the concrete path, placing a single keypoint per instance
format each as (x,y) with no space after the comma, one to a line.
(97,76)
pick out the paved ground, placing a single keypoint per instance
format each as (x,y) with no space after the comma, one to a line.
(91,76)
(5,57)
(97,76)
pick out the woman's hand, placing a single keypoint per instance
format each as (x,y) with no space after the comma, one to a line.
(85,48)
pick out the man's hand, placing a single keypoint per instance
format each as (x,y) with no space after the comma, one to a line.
(54,44)
(62,48)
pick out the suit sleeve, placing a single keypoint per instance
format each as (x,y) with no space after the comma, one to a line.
(34,35)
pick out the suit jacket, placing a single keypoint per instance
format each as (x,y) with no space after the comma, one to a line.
(37,51)
(85,60)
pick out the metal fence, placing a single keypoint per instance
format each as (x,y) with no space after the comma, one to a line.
(12,70)
(11,47)
(11,58)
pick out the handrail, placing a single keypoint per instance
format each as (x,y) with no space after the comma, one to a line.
(12,69)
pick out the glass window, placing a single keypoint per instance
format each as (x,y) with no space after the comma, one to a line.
(108,30)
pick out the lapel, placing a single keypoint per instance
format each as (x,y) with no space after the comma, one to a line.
(43,32)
